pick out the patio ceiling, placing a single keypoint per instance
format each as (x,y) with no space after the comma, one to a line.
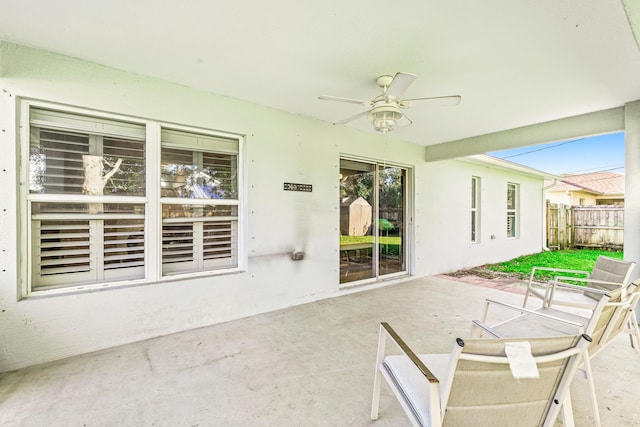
(514,62)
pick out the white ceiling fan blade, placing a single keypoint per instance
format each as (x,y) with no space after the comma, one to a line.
(349,119)
(436,101)
(339,99)
(400,84)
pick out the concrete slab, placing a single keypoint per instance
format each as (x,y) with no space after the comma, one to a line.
(308,365)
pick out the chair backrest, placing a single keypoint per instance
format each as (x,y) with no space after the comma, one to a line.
(609,321)
(482,389)
(607,269)
(614,317)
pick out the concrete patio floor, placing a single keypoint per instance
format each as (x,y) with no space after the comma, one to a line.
(310,365)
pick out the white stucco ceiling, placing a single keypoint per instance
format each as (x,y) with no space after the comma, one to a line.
(514,62)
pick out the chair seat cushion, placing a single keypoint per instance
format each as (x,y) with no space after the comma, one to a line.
(411,388)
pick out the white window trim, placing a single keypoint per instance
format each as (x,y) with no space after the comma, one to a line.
(153,220)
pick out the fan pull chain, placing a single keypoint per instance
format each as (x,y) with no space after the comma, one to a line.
(386,150)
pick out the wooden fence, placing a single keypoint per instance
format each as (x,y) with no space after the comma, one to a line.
(599,226)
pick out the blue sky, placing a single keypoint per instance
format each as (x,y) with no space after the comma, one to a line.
(583,155)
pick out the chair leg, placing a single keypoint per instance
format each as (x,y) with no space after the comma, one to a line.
(632,326)
(592,392)
(567,412)
(377,378)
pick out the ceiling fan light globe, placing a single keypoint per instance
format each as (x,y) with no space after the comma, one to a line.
(384,118)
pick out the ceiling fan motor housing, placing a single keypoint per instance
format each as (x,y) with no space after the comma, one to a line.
(384,81)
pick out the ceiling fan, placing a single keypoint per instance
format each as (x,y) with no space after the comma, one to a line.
(384,111)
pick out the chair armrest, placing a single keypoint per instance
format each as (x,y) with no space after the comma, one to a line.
(556,270)
(545,295)
(550,295)
(559,279)
(533,313)
(578,288)
(408,352)
(487,328)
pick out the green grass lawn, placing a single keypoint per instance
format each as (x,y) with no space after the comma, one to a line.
(390,245)
(567,259)
(384,240)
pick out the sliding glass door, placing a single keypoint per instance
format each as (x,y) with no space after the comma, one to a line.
(372,220)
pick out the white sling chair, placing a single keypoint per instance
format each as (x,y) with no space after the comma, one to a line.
(474,385)
(607,274)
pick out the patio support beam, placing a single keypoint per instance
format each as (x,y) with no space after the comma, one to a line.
(632,9)
(632,183)
(590,124)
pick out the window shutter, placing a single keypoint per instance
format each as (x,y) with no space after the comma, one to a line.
(219,242)
(130,178)
(177,243)
(63,247)
(86,124)
(123,244)
(198,142)
(198,245)
(55,161)
(510,225)
(224,173)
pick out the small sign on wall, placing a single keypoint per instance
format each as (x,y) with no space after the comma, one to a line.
(290,186)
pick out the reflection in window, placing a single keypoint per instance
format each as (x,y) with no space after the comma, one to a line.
(372,220)
(197,175)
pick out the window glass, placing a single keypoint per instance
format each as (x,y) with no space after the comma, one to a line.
(67,161)
(198,175)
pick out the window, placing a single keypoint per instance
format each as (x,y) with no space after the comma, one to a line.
(199,196)
(512,210)
(475,206)
(91,208)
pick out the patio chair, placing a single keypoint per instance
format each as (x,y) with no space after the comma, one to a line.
(607,274)
(612,315)
(474,385)
(562,293)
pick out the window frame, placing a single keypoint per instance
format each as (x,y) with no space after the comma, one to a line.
(513,212)
(151,200)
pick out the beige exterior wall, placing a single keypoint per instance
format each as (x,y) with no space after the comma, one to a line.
(571,198)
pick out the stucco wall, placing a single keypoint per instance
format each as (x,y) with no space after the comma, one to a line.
(280,147)
(571,199)
(443,217)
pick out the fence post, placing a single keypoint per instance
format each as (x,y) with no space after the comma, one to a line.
(562,227)
(571,230)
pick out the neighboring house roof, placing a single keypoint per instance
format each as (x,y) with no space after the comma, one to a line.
(598,183)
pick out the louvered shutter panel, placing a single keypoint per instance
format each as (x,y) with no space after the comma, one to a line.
(74,241)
